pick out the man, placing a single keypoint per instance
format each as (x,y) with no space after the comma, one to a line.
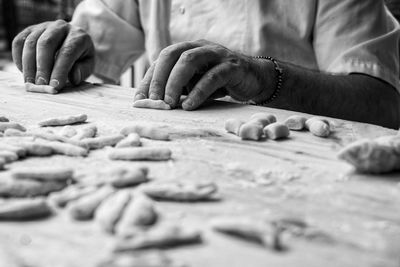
(334,58)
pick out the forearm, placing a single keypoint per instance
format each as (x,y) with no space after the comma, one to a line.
(354,97)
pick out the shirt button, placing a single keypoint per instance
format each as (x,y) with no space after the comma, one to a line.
(182,10)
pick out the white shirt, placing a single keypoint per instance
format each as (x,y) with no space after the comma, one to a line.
(349,36)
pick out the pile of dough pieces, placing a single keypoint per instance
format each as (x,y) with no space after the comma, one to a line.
(16,142)
(121,200)
(265,125)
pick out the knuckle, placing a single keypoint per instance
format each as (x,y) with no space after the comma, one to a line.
(213,76)
(18,41)
(30,43)
(188,57)
(167,52)
(60,22)
(202,41)
(45,41)
(156,84)
(68,51)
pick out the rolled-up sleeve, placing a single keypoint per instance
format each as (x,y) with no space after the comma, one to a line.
(115,29)
(355,36)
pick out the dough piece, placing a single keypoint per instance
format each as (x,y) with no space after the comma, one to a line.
(139,213)
(181,191)
(251,131)
(58,174)
(15,132)
(102,141)
(24,209)
(276,131)
(20,151)
(89,131)
(249,229)
(4,119)
(263,117)
(36,149)
(162,236)
(152,104)
(296,122)
(71,193)
(85,207)
(316,118)
(48,136)
(11,125)
(28,188)
(141,153)
(147,130)
(68,131)
(68,149)
(35,88)
(67,120)
(373,156)
(319,128)
(8,156)
(111,209)
(120,177)
(233,126)
(132,140)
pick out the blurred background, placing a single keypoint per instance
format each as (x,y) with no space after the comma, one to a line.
(15,15)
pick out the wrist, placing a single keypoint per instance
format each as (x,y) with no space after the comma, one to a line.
(271,79)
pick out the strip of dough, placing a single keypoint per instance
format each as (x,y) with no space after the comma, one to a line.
(35,88)
(152,104)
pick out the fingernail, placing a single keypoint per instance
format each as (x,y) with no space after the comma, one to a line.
(187,104)
(29,80)
(169,100)
(139,97)
(154,96)
(41,81)
(54,83)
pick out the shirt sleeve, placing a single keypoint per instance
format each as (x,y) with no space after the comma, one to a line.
(115,29)
(355,36)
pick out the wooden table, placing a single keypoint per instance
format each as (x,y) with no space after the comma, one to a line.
(361,213)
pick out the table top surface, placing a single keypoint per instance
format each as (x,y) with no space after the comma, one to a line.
(295,178)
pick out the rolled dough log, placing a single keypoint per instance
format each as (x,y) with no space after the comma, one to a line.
(162,236)
(24,209)
(34,88)
(61,121)
(152,104)
(181,191)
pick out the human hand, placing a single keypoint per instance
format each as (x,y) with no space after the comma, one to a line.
(180,65)
(50,53)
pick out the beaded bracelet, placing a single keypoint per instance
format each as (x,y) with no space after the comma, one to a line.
(279,72)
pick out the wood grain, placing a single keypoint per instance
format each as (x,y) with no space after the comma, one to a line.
(299,177)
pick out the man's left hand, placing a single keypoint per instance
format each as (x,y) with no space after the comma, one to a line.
(180,65)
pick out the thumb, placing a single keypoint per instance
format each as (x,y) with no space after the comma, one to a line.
(81,70)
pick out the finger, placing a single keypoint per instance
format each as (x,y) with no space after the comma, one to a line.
(29,56)
(48,43)
(217,77)
(77,45)
(82,69)
(143,88)
(18,46)
(165,63)
(189,63)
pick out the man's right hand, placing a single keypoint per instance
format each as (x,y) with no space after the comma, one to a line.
(51,53)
